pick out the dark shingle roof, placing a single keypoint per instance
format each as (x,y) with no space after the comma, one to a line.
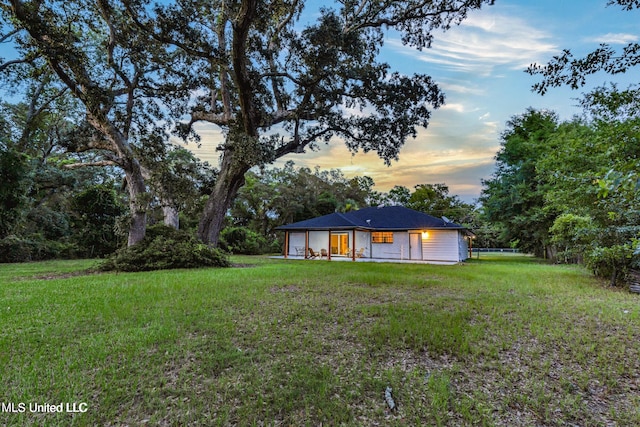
(382,218)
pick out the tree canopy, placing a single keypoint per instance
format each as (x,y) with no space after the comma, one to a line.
(605,186)
(115,72)
(279,82)
(514,196)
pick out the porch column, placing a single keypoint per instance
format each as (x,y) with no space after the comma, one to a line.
(353,245)
(286,244)
(306,243)
(329,251)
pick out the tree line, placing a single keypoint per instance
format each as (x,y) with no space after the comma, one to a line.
(568,191)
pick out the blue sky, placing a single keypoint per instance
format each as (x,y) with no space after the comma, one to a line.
(480,65)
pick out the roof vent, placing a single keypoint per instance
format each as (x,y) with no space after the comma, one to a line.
(446,220)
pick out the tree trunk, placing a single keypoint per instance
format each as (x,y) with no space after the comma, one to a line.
(138,195)
(229,181)
(137,202)
(171,215)
(137,228)
(614,277)
(234,163)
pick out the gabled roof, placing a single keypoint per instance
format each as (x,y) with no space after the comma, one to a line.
(376,218)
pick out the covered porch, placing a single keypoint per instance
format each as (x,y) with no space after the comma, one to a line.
(327,244)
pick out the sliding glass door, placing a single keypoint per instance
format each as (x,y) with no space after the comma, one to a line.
(340,244)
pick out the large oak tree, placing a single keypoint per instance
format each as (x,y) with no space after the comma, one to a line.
(280,77)
(118,74)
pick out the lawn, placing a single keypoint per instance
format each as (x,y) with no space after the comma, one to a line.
(504,340)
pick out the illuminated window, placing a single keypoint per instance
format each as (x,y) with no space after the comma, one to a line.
(382,237)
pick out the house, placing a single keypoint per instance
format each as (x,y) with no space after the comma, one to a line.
(391,232)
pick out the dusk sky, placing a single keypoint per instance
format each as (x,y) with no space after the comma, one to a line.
(480,65)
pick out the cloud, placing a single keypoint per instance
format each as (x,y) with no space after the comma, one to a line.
(456,87)
(614,38)
(211,136)
(483,43)
(458,108)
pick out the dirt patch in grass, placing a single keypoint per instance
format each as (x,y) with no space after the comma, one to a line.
(242,265)
(54,276)
(285,288)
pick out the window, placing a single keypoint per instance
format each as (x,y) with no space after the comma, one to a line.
(382,237)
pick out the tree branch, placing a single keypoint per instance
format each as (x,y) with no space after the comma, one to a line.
(99,163)
(8,64)
(271,51)
(567,70)
(148,29)
(240,61)
(10,34)
(227,111)
(295,145)
(371,17)
(105,11)
(205,116)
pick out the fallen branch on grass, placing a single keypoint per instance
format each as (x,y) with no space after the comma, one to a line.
(389,398)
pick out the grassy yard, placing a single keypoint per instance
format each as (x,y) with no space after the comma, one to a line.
(497,341)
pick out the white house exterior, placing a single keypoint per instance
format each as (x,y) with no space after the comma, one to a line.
(393,232)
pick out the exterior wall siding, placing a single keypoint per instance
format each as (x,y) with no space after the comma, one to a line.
(363,241)
(318,240)
(296,240)
(441,245)
(399,249)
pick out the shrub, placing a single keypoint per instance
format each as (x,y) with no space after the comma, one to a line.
(96,212)
(165,248)
(613,261)
(572,235)
(240,240)
(34,248)
(14,187)
(14,249)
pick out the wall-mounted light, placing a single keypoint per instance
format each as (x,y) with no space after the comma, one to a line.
(425,234)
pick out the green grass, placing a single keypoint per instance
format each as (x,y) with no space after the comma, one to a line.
(496,341)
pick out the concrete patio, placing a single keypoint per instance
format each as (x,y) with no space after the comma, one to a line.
(363,259)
